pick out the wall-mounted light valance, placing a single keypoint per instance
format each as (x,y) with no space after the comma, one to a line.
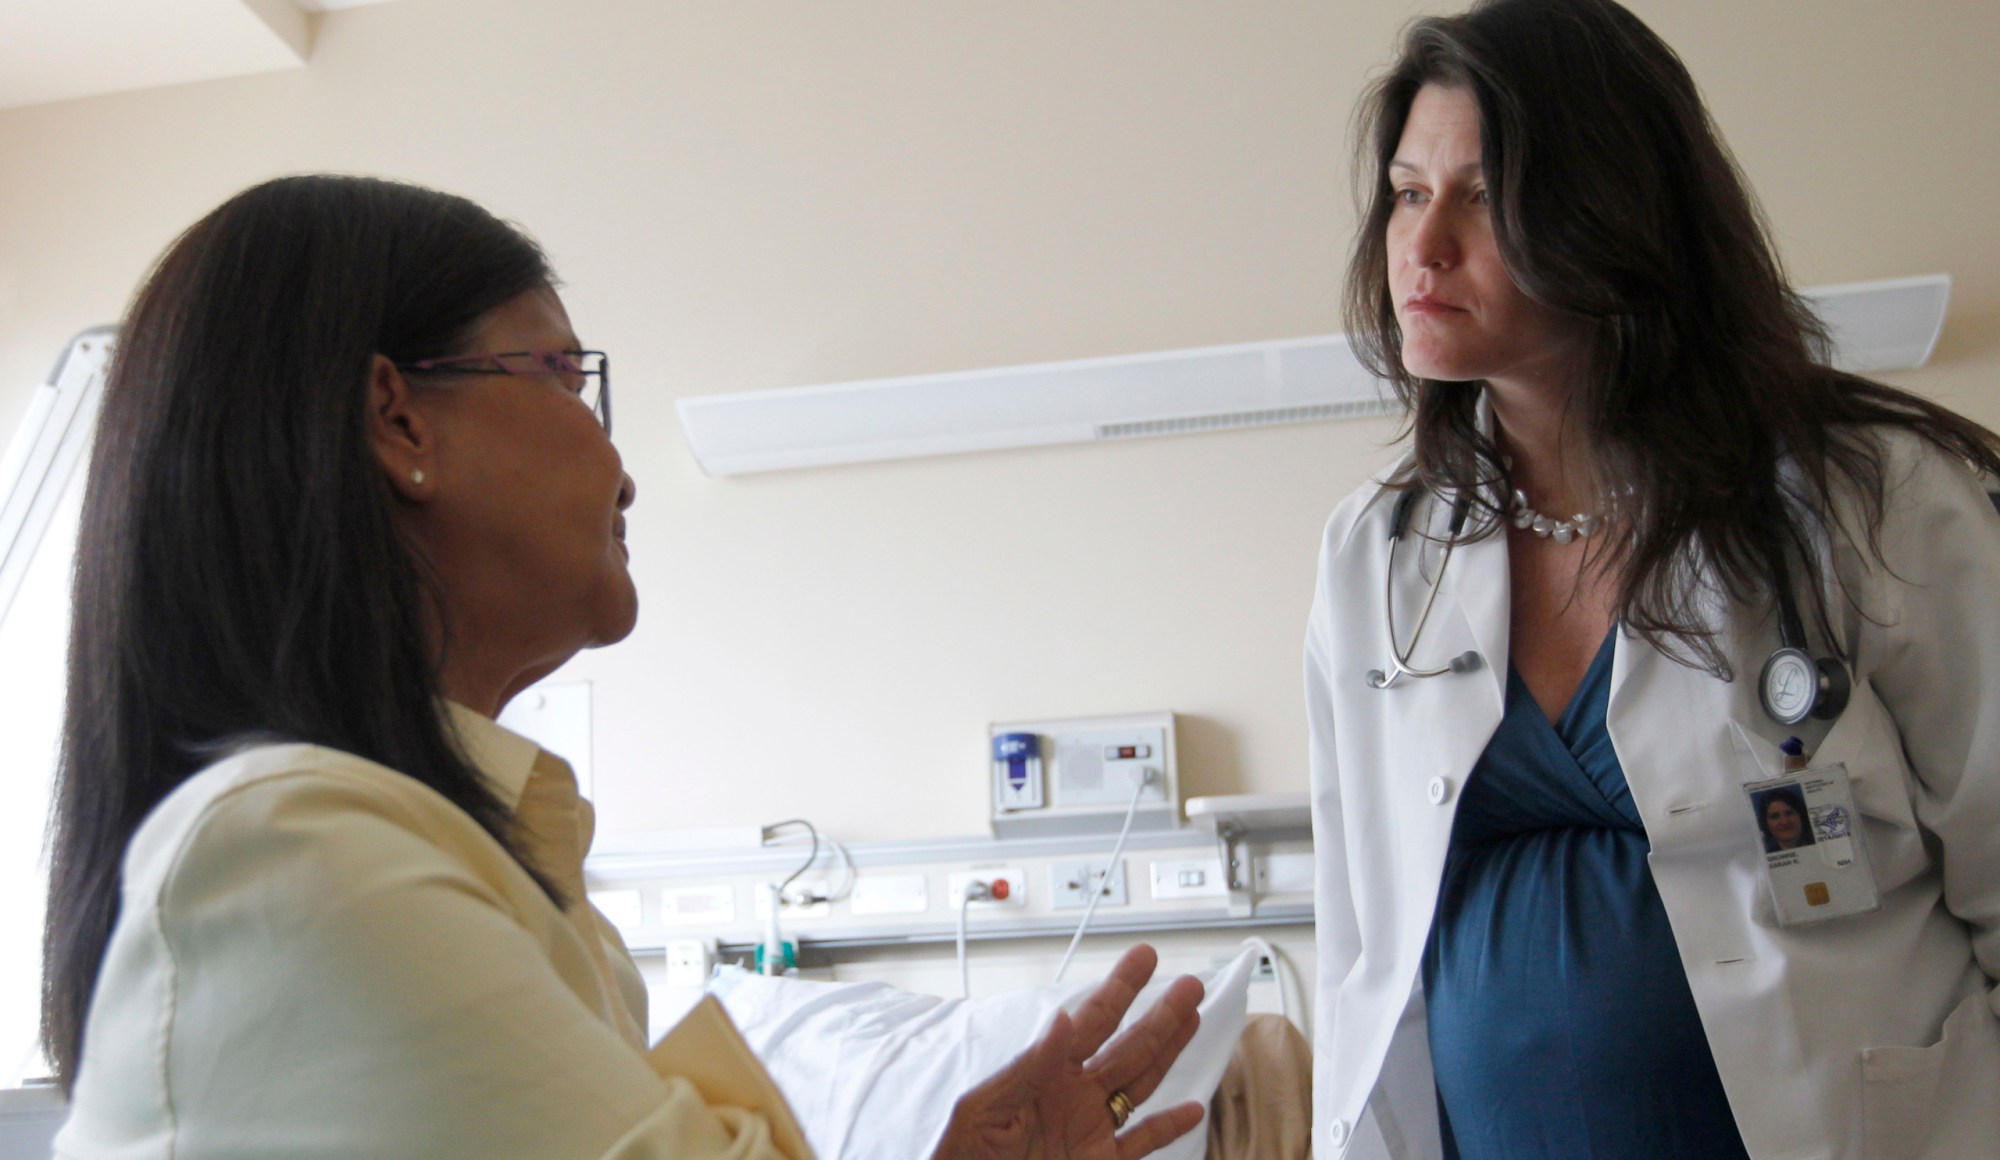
(1877,326)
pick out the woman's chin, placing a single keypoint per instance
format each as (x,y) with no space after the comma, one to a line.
(1427,362)
(622,619)
(618,607)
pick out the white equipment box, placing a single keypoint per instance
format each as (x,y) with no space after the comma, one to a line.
(1079,776)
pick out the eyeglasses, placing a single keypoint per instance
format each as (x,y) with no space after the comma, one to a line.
(587,373)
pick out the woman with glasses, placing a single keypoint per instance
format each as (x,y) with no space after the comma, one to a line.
(353,489)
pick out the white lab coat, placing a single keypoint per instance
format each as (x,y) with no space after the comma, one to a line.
(1872,1036)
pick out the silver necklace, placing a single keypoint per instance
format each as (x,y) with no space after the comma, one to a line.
(1548,527)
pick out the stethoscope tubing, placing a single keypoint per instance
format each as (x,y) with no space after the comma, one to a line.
(1399,657)
(1828,675)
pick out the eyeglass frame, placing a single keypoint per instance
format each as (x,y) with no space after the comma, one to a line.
(449,365)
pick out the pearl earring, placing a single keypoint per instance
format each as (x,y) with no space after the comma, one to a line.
(417,475)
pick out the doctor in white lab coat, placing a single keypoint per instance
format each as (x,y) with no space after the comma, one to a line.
(1577,374)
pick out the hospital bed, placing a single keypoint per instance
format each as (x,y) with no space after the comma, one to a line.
(873,1071)
(885,1021)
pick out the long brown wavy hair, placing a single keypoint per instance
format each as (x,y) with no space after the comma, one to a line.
(1707,404)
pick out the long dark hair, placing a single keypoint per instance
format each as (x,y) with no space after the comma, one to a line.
(1614,199)
(239,572)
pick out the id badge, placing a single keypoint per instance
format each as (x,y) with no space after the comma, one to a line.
(1814,861)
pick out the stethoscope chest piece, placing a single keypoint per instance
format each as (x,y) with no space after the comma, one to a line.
(1795,685)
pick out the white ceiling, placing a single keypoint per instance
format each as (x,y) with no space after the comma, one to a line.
(55,50)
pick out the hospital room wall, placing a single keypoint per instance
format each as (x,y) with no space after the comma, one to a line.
(747,194)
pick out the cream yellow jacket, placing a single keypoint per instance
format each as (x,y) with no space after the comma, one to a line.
(1873,1036)
(319,957)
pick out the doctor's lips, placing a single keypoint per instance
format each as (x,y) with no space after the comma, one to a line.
(1426,304)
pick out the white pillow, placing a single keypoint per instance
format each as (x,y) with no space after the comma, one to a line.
(872,1072)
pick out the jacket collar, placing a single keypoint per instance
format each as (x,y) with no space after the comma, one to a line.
(505,757)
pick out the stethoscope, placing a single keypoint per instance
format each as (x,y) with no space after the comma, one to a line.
(1399,658)
(1796,684)
(1793,685)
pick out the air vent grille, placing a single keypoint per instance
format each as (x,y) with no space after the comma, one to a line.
(1268,417)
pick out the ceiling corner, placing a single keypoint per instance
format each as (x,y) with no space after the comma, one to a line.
(288,22)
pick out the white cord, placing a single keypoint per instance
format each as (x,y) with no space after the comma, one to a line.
(847,860)
(1263,947)
(802,896)
(974,892)
(1110,868)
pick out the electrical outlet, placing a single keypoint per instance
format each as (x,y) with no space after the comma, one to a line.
(700,906)
(1067,890)
(1189,878)
(688,961)
(1285,874)
(1009,887)
(619,907)
(1264,972)
(788,908)
(890,894)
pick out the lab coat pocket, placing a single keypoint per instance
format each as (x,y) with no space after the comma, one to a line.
(1899,1090)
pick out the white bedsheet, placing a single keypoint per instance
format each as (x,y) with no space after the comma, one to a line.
(872,1071)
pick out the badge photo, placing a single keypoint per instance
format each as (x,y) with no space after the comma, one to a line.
(1814,863)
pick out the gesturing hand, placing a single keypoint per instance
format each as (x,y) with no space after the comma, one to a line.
(1053,1101)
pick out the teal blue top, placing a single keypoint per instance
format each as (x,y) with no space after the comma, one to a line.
(1561,1023)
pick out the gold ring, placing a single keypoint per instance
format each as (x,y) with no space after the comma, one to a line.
(1121,1109)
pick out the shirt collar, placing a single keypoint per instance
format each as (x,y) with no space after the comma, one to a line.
(504,756)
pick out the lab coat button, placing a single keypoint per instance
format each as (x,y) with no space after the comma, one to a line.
(1337,1132)
(1438,791)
